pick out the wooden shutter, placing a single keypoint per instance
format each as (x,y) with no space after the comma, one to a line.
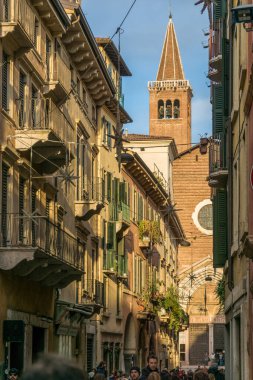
(33,106)
(5,170)
(21,207)
(218,106)
(220,247)
(21,99)
(5,82)
(218,10)
(225,74)
(109,187)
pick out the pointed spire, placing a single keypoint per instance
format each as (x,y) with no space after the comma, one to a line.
(170,64)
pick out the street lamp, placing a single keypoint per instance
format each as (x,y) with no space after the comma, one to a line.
(243,14)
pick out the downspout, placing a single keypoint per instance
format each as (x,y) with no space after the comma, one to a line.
(230,161)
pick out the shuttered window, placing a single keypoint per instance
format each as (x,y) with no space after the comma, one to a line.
(89,352)
(5,68)
(218,106)
(48,53)
(109,187)
(111,236)
(21,206)
(6,10)
(21,99)
(220,247)
(34,106)
(140,207)
(218,6)
(36,33)
(33,223)
(225,74)
(5,170)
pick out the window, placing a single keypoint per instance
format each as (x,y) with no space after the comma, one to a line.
(38,341)
(182,352)
(5,175)
(22,82)
(85,97)
(5,80)
(36,33)
(176,109)
(21,207)
(160,109)
(203,217)
(94,114)
(48,55)
(107,130)
(81,168)
(168,110)
(34,102)
(78,87)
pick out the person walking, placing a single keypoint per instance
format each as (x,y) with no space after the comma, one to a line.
(135,373)
(152,363)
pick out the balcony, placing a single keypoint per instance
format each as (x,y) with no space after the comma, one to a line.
(17,22)
(215,52)
(218,171)
(58,83)
(91,199)
(93,294)
(35,248)
(48,132)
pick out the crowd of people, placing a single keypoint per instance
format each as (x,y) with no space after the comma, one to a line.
(151,372)
(51,367)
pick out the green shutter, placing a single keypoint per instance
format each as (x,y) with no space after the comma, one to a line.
(218,106)
(218,10)
(225,74)
(220,247)
(109,187)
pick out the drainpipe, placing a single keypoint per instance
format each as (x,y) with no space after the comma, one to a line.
(230,163)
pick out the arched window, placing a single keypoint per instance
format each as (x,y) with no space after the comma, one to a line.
(168,109)
(160,109)
(176,110)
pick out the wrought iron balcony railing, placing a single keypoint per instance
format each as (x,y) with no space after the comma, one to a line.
(217,153)
(93,190)
(25,231)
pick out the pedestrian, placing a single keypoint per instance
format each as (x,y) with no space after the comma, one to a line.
(101,368)
(13,374)
(165,375)
(189,375)
(200,375)
(152,362)
(53,367)
(92,373)
(154,376)
(211,376)
(99,376)
(135,373)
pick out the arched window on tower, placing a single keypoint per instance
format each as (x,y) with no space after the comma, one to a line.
(160,109)
(176,110)
(168,109)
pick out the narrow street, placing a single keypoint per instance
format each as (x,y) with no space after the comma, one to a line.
(126,190)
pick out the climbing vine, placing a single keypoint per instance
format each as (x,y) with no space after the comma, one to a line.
(220,292)
(150,229)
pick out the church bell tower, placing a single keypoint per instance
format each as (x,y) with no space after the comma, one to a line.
(170,95)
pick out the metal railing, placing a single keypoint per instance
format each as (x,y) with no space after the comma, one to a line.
(168,84)
(18,11)
(217,153)
(159,176)
(19,230)
(94,292)
(93,190)
(215,41)
(47,116)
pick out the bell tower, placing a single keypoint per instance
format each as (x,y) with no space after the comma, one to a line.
(170,95)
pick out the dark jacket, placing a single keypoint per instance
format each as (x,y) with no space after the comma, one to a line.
(145,372)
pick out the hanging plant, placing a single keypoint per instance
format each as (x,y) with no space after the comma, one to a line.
(220,293)
(150,229)
(177,315)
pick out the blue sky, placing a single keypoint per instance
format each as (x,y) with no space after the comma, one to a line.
(141,46)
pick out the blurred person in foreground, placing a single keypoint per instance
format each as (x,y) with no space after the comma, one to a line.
(200,375)
(53,367)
